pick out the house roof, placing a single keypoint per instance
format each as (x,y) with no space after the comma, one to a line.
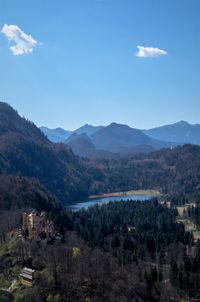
(28,270)
(26,276)
(27,273)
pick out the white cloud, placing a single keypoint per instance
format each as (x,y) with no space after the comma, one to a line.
(149,52)
(23,43)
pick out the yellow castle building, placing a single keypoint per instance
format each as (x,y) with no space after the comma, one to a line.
(37,226)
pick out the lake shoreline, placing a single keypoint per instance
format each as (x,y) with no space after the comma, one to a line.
(152,193)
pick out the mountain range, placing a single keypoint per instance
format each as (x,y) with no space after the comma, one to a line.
(94,141)
(180,132)
(35,171)
(56,135)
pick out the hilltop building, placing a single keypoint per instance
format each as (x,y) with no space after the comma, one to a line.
(36,226)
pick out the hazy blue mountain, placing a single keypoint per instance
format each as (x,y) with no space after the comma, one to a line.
(180,132)
(56,135)
(121,138)
(92,141)
(88,129)
(82,145)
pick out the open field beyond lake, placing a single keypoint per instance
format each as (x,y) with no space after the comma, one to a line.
(128,193)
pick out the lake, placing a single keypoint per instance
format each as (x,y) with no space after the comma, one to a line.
(103,200)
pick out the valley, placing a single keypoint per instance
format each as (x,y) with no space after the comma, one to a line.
(136,215)
(106,198)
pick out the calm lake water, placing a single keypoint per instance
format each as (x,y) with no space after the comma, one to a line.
(92,202)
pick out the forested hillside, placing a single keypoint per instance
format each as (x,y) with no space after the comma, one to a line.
(175,172)
(25,151)
(22,192)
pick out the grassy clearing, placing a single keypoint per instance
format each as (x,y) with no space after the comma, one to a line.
(189,225)
(181,211)
(7,246)
(196,235)
(7,259)
(128,193)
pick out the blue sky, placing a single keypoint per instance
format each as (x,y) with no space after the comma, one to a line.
(83,66)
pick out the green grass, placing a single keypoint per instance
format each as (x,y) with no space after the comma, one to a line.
(7,246)
(6,252)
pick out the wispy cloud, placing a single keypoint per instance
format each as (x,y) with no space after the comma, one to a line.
(149,52)
(23,43)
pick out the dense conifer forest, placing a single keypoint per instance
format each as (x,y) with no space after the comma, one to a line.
(121,251)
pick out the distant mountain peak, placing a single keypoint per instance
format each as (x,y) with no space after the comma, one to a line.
(88,129)
(117,125)
(179,132)
(59,129)
(75,136)
(116,137)
(184,123)
(56,135)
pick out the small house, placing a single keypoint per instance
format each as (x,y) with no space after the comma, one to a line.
(130,228)
(27,276)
